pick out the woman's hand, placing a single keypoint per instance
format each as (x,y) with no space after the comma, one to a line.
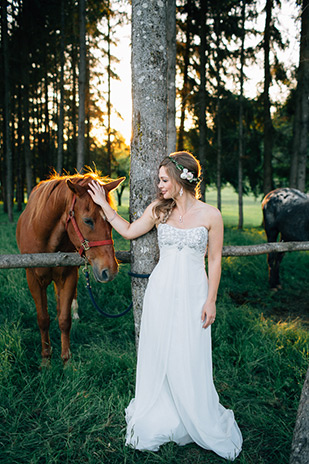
(97,193)
(208,314)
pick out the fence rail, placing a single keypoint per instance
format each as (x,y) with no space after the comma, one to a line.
(73,259)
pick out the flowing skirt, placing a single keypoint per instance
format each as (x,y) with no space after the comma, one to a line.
(175,398)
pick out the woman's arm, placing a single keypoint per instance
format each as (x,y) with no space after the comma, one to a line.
(214,267)
(129,231)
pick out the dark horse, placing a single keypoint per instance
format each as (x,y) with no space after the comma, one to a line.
(285,211)
(61,216)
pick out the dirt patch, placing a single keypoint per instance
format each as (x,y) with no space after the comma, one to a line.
(282,306)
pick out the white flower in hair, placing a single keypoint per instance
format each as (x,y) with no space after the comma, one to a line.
(186,174)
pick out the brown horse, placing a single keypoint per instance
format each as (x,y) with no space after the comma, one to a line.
(58,217)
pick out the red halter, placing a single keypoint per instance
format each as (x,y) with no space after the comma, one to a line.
(85,244)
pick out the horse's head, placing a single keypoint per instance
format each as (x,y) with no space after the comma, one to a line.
(89,230)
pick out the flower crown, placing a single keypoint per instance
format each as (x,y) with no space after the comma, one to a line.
(186,174)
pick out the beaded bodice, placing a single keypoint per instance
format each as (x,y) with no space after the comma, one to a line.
(194,238)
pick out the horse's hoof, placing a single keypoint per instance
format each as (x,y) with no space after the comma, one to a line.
(66,359)
(45,364)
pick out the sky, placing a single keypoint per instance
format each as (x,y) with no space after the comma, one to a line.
(285,21)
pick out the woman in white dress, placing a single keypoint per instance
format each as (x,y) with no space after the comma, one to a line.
(175,398)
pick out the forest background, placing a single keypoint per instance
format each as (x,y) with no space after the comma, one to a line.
(57,106)
(57,67)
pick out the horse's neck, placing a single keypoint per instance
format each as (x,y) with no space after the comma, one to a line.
(52,221)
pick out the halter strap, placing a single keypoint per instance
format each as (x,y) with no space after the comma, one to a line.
(85,244)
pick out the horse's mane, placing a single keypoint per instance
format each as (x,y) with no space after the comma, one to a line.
(51,190)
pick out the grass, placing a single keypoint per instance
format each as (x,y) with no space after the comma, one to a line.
(76,415)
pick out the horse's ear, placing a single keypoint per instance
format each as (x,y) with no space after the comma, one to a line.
(114,184)
(79,190)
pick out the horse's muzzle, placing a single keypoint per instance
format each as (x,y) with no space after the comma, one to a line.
(103,275)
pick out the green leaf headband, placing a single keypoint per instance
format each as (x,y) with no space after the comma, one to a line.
(186,174)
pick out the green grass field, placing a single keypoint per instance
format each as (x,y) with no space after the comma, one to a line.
(76,415)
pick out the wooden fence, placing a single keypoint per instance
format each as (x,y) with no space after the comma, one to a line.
(73,259)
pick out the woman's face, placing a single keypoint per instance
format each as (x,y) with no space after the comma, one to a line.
(167,185)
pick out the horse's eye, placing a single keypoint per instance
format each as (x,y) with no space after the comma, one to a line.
(89,222)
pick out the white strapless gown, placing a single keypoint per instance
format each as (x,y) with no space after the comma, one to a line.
(175,398)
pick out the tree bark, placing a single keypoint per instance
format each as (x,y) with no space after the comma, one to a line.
(300,443)
(296,129)
(303,98)
(50,260)
(61,103)
(148,147)
(82,87)
(202,95)
(241,124)
(171,75)
(268,127)
(109,145)
(73,259)
(218,118)
(185,87)
(7,113)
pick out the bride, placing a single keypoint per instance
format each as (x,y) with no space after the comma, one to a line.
(175,397)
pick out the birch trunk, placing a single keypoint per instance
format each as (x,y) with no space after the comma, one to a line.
(148,147)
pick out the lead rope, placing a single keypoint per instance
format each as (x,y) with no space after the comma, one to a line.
(97,307)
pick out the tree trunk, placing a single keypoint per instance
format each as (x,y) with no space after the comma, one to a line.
(219,154)
(202,95)
(303,98)
(185,87)
(296,136)
(82,86)
(19,160)
(7,115)
(61,103)
(74,105)
(219,128)
(171,75)
(109,146)
(300,443)
(241,124)
(268,128)
(148,147)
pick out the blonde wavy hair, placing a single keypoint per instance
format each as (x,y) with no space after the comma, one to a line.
(163,208)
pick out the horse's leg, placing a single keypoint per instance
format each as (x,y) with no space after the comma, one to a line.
(38,292)
(66,283)
(74,307)
(279,257)
(272,259)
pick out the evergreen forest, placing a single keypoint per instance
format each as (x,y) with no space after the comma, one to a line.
(51,94)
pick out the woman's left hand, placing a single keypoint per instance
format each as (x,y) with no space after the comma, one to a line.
(208,314)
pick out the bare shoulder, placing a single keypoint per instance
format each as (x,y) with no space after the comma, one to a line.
(210,215)
(149,210)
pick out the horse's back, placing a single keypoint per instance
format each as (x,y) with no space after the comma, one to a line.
(286,210)
(282,197)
